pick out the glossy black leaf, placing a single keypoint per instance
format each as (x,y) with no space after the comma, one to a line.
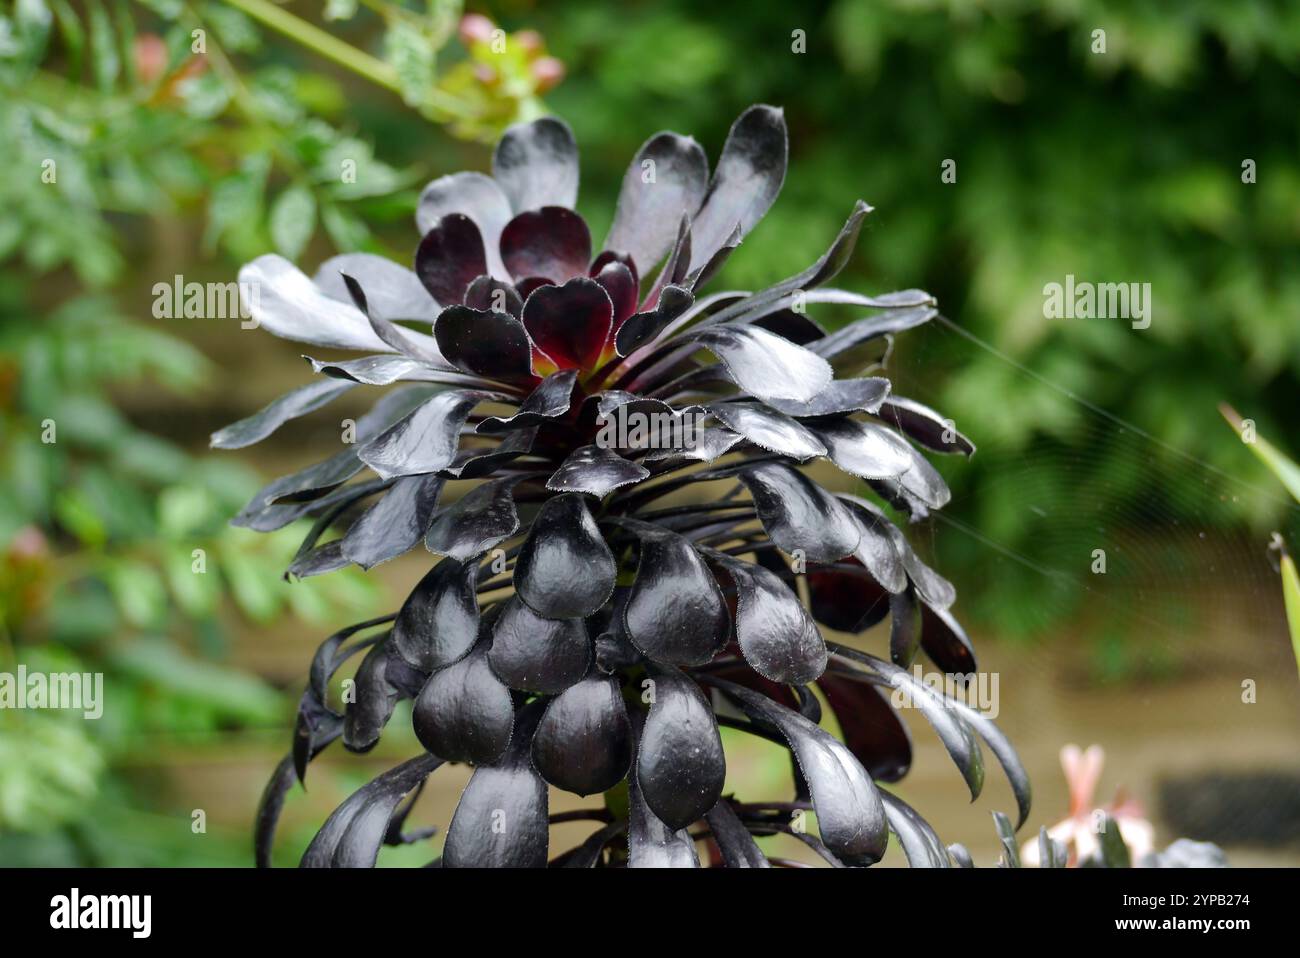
(850,338)
(378,370)
(426,439)
(395,524)
(271,417)
(745,183)
(563,540)
(289,305)
(352,835)
(880,546)
(920,843)
(765,365)
(675,611)
(850,812)
(842,395)
(925,426)
(501,819)
(772,430)
(464,713)
(649,209)
(483,342)
(737,845)
(953,729)
(536,164)
(1004,752)
(398,338)
(651,843)
(680,763)
(639,328)
(374,699)
(318,561)
(905,627)
(776,635)
(481,519)
(533,654)
(583,743)
(438,622)
(392,291)
(865,449)
(595,471)
(799,515)
(549,400)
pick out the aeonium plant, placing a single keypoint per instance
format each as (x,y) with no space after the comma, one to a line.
(605,599)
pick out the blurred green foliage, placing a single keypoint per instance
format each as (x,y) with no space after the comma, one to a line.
(1122,166)
(116,556)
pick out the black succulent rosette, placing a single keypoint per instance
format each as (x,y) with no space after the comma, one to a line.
(605,598)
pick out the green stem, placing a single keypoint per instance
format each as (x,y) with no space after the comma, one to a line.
(326,44)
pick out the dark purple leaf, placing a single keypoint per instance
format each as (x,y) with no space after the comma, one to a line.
(904,627)
(925,426)
(496,295)
(550,400)
(450,257)
(476,196)
(845,598)
(618,281)
(640,328)
(551,242)
(871,729)
(776,635)
(953,730)
(920,844)
(736,844)
(425,440)
(945,642)
(375,697)
(570,323)
(850,813)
